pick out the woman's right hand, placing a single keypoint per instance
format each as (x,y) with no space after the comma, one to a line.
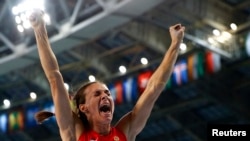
(36,18)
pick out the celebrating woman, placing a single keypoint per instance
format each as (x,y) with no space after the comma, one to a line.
(94,104)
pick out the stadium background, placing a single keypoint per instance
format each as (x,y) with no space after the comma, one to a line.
(210,82)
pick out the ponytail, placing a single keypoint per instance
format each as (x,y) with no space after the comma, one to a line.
(41,116)
(75,101)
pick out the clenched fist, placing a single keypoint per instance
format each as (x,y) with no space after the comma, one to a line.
(36,18)
(177,33)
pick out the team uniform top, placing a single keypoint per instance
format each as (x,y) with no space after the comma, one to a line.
(114,135)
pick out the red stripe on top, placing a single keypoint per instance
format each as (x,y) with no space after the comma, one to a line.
(114,135)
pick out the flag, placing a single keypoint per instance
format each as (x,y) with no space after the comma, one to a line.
(130,89)
(16,120)
(217,62)
(3,122)
(212,62)
(169,83)
(247,44)
(180,74)
(184,71)
(143,80)
(209,63)
(192,62)
(119,91)
(200,64)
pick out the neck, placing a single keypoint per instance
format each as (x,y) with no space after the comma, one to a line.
(102,129)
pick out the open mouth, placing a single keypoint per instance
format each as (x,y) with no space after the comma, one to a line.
(105,108)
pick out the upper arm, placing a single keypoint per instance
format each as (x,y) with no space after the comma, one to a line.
(133,122)
(142,110)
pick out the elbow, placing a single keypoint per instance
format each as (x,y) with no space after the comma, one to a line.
(156,87)
(53,76)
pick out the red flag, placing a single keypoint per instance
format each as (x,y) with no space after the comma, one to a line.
(143,80)
(209,62)
(212,62)
(118,90)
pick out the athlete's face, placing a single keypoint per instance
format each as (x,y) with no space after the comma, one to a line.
(99,104)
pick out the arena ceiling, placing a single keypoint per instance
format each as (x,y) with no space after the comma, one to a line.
(95,37)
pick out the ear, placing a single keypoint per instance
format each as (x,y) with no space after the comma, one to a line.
(83,108)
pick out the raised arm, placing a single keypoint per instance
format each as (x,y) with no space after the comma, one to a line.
(63,113)
(135,120)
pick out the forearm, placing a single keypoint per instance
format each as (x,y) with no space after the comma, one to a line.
(162,74)
(47,57)
(155,85)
